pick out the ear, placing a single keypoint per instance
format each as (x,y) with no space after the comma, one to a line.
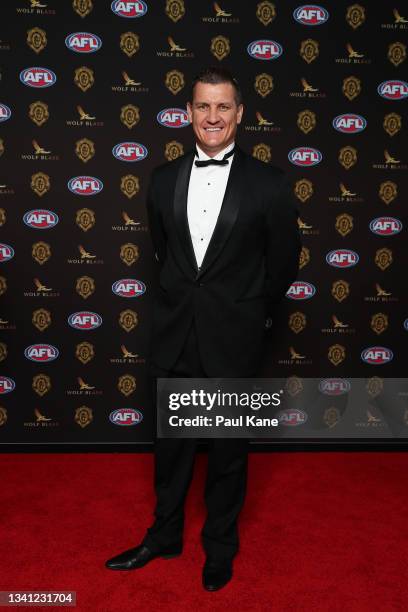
(190,112)
(240,112)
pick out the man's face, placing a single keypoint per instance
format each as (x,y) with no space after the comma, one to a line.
(214,116)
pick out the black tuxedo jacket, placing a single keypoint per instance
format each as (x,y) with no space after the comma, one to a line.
(251,260)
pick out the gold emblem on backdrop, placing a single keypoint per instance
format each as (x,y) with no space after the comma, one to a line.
(392,123)
(340,290)
(3,351)
(130,115)
(129,43)
(388,191)
(127,384)
(38,113)
(128,319)
(351,87)
(2,216)
(84,78)
(294,385)
(85,286)
(336,354)
(220,47)
(303,189)
(263,84)
(374,386)
(175,9)
(173,150)
(309,50)
(41,384)
(83,416)
(1,147)
(129,185)
(379,322)
(306,121)
(129,253)
(3,416)
(265,12)
(40,183)
(82,7)
(348,157)
(85,219)
(3,285)
(41,252)
(41,319)
(355,15)
(36,39)
(383,258)
(85,149)
(84,352)
(297,322)
(344,224)
(304,257)
(262,152)
(174,81)
(397,53)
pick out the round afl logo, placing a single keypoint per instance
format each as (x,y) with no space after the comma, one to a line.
(292,417)
(129,151)
(5,112)
(301,290)
(38,77)
(385,226)
(334,386)
(264,49)
(129,9)
(85,320)
(42,353)
(304,157)
(342,258)
(40,218)
(7,385)
(377,355)
(83,42)
(85,185)
(310,15)
(6,252)
(173,118)
(349,123)
(393,90)
(126,416)
(128,287)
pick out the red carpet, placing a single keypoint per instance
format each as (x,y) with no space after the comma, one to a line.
(320,531)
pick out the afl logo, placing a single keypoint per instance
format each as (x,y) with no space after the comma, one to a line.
(6,252)
(393,90)
(42,353)
(406,324)
(84,320)
(349,123)
(129,151)
(291,418)
(334,386)
(300,290)
(304,157)
(385,226)
(128,287)
(126,416)
(173,118)
(40,218)
(264,49)
(83,42)
(342,258)
(38,77)
(7,385)
(5,112)
(377,355)
(85,185)
(310,15)
(137,8)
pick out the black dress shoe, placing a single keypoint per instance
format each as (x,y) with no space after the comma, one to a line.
(216,574)
(139,556)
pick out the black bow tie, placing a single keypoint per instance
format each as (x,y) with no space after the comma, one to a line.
(214,162)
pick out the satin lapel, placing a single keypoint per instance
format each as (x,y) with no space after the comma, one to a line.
(228,213)
(180,209)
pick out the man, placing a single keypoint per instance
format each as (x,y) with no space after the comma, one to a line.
(224,227)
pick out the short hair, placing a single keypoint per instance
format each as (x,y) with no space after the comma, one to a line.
(215,75)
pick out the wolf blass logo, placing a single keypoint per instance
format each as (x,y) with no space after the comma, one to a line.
(175,50)
(36,10)
(42,420)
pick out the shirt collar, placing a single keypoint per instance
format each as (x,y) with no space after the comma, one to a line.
(220,155)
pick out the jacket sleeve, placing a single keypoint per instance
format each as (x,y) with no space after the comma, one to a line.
(157,233)
(283,243)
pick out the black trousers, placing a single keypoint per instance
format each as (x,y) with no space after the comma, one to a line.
(174,461)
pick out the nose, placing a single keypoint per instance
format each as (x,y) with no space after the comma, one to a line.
(212,115)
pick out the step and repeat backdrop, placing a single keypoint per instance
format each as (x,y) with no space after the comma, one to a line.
(93,97)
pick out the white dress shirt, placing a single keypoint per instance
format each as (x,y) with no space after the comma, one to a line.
(205,195)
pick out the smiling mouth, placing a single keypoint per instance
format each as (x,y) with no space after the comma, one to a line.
(211,129)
